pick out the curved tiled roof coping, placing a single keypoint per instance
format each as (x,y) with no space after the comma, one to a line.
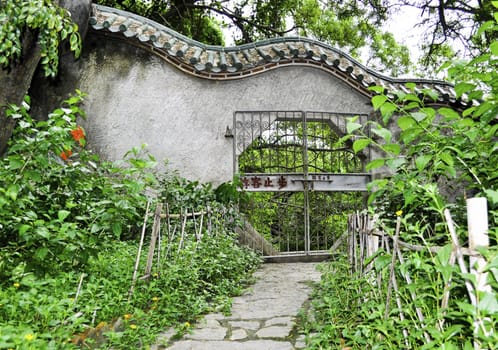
(224,63)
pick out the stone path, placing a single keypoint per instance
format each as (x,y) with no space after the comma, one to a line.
(263,318)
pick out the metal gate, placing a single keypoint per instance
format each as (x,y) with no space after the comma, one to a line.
(302,176)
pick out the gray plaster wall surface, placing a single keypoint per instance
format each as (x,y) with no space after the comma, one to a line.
(135,98)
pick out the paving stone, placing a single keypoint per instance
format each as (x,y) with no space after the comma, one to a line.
(228,345)
(287,321)
(273,301)
(251,325)
(218,333)
(163,339)
(210,321)
(300,342)
(238,334)
(274,332)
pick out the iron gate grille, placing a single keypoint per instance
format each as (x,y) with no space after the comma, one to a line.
(305,179)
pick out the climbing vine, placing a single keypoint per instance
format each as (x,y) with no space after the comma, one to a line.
(51,23)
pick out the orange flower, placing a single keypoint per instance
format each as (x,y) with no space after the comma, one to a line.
(66,154)
(78,134)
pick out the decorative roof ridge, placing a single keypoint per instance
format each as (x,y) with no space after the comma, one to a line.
(234,62)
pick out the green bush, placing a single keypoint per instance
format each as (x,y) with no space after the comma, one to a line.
(58,201)
(440,157)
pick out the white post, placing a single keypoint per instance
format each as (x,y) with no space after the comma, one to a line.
(477,221)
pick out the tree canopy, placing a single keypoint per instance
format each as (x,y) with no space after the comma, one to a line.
(356,26)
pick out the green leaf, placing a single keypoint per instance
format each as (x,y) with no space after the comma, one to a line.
(377,89)
(411,86)
(485,27)
(469,309)
(492,195)
(422,161)
(351,127)
(488,303)
(395,163)
(12,191)
(462,88)
(494,48)
(116,228)
(41,253)
(23,229)
(378,100)
(447,158)
(419,116)
(392,148)
(63,214)
(449,113)
(387,109)
(382,261)
(360,144)
(15,162)
(406,122)
(384,133)
(374,164)
(43,232)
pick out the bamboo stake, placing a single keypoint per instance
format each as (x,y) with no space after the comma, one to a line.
(137,260)
(168,228)
(400,307)
(459,256)
(79,287)
(159,238)
(182,232)
(177,216)
(200,227)
(391,271)
(195,224)
(446,291)
(210,223)
(418,310)
(153,239)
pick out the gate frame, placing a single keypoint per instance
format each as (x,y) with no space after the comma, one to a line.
(307,178)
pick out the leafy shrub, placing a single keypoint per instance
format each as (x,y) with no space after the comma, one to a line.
(440,157)
(58,201)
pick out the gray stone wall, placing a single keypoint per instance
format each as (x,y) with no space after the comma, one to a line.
(135,97)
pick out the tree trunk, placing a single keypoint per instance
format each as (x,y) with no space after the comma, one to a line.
(17,78)
(16,81)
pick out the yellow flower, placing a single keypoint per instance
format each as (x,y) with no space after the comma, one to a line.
(187,324)
(16,285)
(399,213)
(155,299)
(133,326)
(29,337)
(127,316)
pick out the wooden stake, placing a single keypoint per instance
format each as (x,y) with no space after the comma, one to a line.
(446,291)
(182,232)
(137,260)
(413,295)
(391,271)
(79,287)
(153,239)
